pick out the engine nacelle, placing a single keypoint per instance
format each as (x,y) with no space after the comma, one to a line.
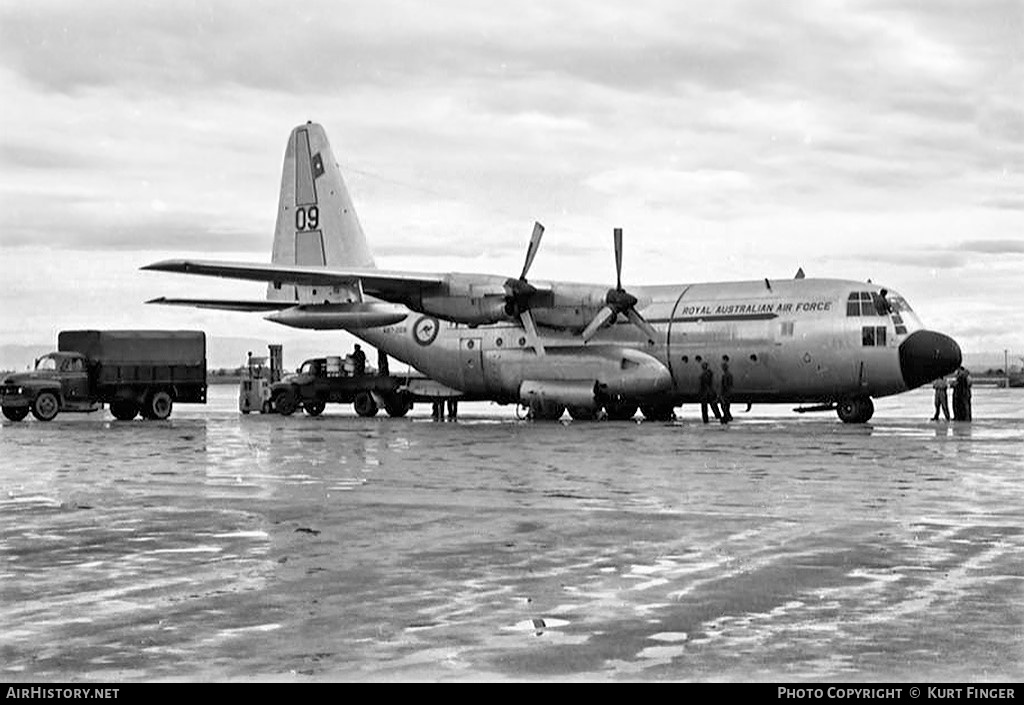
(470,311)
(572,393)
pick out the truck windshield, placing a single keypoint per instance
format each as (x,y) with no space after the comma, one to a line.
(46,363)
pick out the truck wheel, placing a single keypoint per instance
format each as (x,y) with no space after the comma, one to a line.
(398,406)
(365,405)
(285,403)
(15,413)
(314,408)
(124,410)
(159,406)
(46,406)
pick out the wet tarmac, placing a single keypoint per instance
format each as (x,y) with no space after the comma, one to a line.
(220,547)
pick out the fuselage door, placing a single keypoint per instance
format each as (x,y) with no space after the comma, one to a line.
(471,362)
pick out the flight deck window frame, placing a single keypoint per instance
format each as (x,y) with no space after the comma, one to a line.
(873,337)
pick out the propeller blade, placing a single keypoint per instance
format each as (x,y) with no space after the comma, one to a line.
(617,234)
(602,317)
(531,332)
(637,320)
(531,251)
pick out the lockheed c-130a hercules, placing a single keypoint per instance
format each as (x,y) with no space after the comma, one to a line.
(823,343)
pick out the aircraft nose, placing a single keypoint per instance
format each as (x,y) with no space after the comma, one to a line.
(926,355)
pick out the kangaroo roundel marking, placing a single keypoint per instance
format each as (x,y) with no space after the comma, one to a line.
(425,330)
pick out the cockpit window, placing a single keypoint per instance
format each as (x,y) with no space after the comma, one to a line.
(865,303)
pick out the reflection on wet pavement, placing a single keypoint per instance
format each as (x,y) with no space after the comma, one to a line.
(218,547)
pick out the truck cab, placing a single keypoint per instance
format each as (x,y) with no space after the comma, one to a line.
(60,381)
(323,380)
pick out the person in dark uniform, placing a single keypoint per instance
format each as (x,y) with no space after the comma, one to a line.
(437,412)
(941,401)
(962,395)
(453,408)
(359,361)
(382,363)
(725,391)
(707,392)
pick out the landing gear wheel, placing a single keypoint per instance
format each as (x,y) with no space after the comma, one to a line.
(158,406)
(582,413)
(543,410)
(15,413)
(364,405)
(658,412)
(620,410)
(285,403)
(855,410)
(314,408)
(398,406)
(46,406)
(124,410)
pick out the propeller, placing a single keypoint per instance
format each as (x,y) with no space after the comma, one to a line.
(519,292)
(617,301)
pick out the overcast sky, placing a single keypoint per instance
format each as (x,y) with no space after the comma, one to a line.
(730,140)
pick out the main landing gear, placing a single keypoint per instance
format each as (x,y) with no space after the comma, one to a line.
(857,410)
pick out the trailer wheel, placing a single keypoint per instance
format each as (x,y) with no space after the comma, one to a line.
(124,410)
(159,406)
(365,405)
(15,413)
(314,408)
(46,406)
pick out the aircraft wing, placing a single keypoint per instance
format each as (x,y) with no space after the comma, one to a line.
(225,304)
(389,286)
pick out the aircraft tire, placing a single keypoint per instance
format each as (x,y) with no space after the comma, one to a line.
(285,402)
(365,405)
(546,410)
(15,413)
(657,412)
(124,410)
(397,406)
(46,406)
(314,408)
(583,413)
(620,410)
(159,406)
(858,410)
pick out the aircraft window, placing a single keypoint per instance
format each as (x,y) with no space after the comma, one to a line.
(753,358)
(873,336)
(880,303)
(861,303)
(698,358)
(901,330)
(522,342)
(499,342)
(685,358)
(787,329)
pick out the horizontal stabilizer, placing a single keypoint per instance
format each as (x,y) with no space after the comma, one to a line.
(225,304)
(375,282)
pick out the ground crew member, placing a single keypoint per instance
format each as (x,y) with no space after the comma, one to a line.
(725,393)
(358,361)
(940,387)
(382,363)
(453,408)
(437,413)
(707,392)
(962,395)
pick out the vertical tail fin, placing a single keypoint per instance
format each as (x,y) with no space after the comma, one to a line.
(316,222)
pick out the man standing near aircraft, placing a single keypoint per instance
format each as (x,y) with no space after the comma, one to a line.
(725,391)
(962,395)
(707,392)
(941,403)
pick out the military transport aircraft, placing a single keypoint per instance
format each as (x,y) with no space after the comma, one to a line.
(825,343)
